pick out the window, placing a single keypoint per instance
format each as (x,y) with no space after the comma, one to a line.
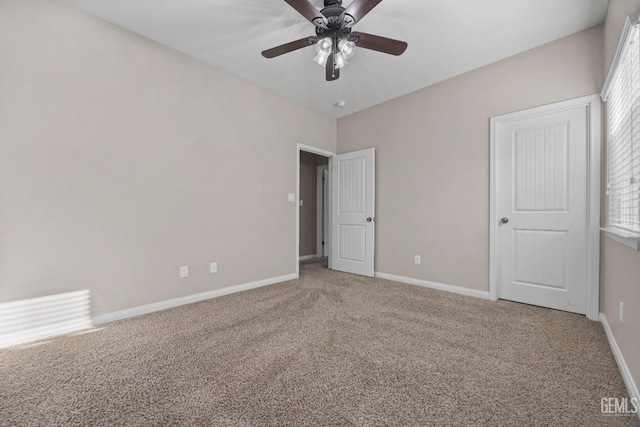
(622,94)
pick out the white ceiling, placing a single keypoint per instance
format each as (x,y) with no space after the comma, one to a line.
(446,38)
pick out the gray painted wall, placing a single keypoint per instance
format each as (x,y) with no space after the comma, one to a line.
(432,188)
(121,160)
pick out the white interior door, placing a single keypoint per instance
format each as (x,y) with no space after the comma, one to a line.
(352,212)
(541,175)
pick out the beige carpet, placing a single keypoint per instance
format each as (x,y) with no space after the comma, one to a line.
(327,349)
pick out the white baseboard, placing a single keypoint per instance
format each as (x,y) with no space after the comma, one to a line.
(433,285)
(622,365)
(189,299)
(307,257)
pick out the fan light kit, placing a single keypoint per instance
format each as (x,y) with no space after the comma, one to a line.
(334,40)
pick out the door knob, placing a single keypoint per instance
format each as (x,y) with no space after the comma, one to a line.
(369,219)
(504,220)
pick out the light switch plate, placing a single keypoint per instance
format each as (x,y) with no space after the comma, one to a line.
(184,271)
(416,259)
(292,197)
(213,267)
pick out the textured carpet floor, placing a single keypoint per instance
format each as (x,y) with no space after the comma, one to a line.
(326,349)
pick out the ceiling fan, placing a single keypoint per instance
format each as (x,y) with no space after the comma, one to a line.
(334,40)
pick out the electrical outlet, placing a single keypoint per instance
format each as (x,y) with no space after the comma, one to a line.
(621,312)
(213,267)
(416,259)
(184,271)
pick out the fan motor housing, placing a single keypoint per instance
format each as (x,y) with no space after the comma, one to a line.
(332,13)
(335,29)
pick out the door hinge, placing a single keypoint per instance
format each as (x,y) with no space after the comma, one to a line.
(322,243)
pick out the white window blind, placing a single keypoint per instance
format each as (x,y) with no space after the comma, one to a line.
(622,95)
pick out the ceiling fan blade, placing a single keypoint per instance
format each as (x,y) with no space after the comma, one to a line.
(381,44)
(331,73)
(289,47)
(358,9)
(309,11)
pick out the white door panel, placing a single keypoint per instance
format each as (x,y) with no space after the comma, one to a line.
(542,192)
(353,225)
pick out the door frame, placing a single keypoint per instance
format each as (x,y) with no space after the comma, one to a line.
(593,106)
(322,211)
(321,152)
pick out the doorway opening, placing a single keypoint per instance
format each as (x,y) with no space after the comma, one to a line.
(347,216)
(313,242)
